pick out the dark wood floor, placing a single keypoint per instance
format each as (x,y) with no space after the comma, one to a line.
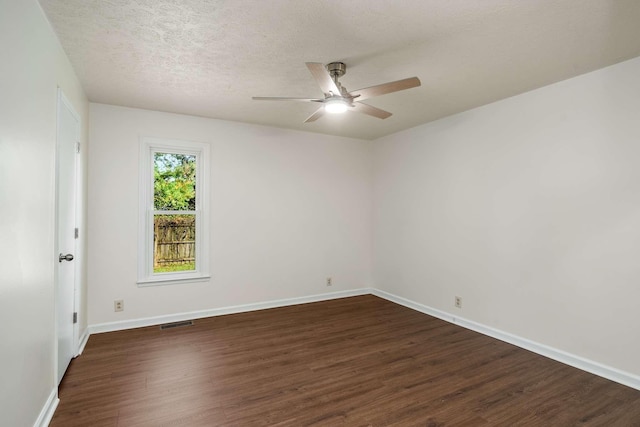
(359,361)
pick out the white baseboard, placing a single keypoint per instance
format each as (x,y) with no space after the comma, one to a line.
(158,320)
(587,365)
(49,408)
(83,341)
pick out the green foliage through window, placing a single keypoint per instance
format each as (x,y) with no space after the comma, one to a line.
(174,182)
(174,189)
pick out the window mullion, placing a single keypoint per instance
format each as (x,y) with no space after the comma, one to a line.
(161,212)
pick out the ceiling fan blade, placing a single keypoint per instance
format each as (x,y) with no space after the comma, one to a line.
(279,98)
(322,76)
(385,88)
(368,109)
(316,115)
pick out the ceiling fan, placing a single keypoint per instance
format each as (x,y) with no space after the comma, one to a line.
(336,97)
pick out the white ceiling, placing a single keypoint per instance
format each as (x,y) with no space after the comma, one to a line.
(209,57)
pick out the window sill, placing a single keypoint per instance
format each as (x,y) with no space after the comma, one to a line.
(172,280)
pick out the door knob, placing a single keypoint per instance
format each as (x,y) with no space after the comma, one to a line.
(67,257)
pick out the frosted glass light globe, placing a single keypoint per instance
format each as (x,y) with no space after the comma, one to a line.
(335,106)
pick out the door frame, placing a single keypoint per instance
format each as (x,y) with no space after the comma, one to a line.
(61,100)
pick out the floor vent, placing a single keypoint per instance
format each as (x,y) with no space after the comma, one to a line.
(176,324)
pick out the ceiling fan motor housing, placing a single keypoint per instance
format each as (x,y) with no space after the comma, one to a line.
(337,69)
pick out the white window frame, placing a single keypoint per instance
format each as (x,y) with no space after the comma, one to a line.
(148,147)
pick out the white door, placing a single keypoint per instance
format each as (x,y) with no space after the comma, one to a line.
(68,134)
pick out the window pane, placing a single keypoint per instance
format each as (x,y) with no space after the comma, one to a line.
(174,182)
(174,243)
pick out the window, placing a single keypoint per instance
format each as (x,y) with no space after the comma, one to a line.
(174,238)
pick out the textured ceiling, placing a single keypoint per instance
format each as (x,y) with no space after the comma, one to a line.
(209,57)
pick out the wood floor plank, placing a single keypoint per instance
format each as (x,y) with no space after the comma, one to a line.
(360,361)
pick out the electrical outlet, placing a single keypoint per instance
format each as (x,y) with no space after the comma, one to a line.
(329,281)
(458,302)
(118,305)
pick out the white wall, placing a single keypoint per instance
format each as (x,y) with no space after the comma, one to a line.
(528,209)
(288,209)
(32,65)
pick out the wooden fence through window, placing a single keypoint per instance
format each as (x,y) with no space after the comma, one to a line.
(174,240)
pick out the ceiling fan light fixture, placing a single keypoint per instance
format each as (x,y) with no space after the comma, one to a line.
(337,99)
(336,106)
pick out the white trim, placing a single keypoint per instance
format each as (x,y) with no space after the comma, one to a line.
(193,278)
(148,146)
(83,341)
(158,320)
(587,365)
(49,408)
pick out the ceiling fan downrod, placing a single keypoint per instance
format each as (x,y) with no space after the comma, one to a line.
(337,70)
